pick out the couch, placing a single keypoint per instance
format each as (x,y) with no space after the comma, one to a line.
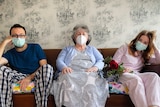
(27,99)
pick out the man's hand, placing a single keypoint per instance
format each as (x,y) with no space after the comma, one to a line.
(24,83)
(8,40)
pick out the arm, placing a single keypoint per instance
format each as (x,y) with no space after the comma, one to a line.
(118,56)
(99,64)
(60,62)
(2,48)
(156,58)
(41,57)
(41,62)
(119,53)
(99,59)
(26,81)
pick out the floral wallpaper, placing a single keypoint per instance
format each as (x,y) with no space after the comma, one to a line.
(50,22)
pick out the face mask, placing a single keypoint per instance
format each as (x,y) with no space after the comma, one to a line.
(18,42)
(81,40)
(140,46)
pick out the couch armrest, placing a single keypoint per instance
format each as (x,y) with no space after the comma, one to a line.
(152,68)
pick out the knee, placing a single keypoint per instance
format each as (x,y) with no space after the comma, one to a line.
(135,82)
(45,70)
(48,68)
(154,75)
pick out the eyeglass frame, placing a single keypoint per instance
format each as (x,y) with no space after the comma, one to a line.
(18,36)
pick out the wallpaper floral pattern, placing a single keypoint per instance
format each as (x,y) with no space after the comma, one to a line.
(50,22)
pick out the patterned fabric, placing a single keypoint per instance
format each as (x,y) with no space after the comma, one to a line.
(43,80)
(80,88)
(117,88)
(7,77)
(29,88)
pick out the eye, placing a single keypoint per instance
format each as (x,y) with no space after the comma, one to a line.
(146,43)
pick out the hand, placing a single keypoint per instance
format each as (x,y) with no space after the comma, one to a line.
(127,70)
(8,40)
(24,83)
(66,70)
(92,69)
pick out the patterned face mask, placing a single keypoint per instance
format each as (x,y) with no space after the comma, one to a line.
(18,42)
(140,46)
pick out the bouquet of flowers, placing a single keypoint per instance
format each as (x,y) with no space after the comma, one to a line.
(112,70)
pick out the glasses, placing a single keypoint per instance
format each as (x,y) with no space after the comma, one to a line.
(18,36)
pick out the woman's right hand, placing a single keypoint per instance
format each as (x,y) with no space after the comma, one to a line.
(127,70)
(66,70)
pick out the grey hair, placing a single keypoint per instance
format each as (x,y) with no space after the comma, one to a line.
(85,27)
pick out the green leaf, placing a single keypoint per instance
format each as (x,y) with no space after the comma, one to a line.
(107,59)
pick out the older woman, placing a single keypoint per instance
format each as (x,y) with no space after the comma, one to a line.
(143,87)
(79,84)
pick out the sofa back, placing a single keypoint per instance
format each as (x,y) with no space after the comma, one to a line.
(52,54)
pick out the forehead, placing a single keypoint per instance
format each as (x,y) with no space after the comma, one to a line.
(80,30)
(17,31)
(144,38)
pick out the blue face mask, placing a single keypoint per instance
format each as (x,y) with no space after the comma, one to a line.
(140,46)
(18,42)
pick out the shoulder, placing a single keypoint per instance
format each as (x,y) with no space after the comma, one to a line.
(34,45)
(91,47)
(68,48)
(124,47)
(9,52)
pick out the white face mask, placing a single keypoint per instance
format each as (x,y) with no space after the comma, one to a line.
(81,40)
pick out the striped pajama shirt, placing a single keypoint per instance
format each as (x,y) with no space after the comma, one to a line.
(42,80)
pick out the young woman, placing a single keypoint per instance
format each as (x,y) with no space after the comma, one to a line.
(143,87)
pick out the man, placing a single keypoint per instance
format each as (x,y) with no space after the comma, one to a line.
(27,63)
